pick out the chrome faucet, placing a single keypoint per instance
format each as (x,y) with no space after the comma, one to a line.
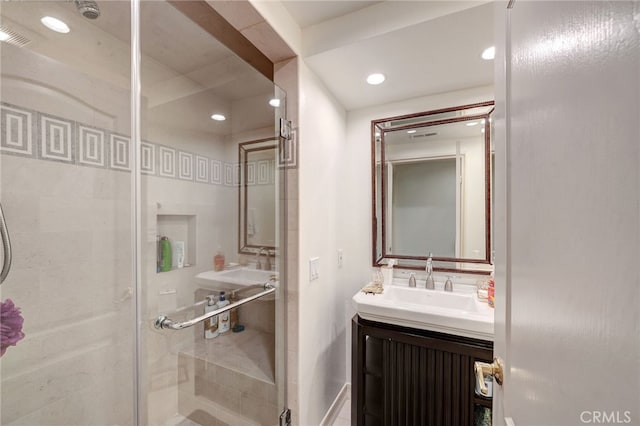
(448,285)
(258,263)
(429,284)
(412,280)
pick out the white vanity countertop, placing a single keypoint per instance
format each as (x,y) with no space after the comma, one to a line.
(459,312)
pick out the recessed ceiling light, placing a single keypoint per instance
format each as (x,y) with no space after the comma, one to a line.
(489,53)
(55,24)
(411,131)
(472,123)
(218,117)
(4,36)
(375,79)
(275,102)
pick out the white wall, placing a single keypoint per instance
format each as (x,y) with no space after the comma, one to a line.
(324,219)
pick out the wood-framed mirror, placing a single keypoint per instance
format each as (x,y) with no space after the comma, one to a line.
(432,177)
(257,196)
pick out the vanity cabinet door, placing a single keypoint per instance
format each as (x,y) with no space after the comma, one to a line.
(403,376)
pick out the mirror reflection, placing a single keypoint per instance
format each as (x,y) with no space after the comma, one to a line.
(432,188)
(257,196)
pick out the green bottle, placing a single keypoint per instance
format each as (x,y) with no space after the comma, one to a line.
(165,248)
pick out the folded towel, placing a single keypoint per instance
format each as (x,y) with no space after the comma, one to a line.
(373,288)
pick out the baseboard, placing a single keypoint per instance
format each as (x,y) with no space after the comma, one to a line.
(334,410)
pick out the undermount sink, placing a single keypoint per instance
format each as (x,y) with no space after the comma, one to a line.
(459,312)
(238,277)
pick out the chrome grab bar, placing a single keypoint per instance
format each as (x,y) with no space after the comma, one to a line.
(164,322)
(6,245)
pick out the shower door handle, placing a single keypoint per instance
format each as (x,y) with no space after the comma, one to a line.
(6,245)
(163,322)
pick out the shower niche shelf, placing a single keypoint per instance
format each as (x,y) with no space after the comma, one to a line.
(179,227)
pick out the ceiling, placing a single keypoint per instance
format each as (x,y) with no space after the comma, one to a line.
(423,48)
(186,75)
(308,13)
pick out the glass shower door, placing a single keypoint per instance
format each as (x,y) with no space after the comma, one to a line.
(65,188)
(210,207)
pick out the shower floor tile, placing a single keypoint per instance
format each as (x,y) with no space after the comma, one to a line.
(250,352)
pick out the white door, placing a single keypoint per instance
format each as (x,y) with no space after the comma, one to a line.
(567,212)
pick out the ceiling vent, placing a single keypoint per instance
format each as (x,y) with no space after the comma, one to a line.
(424,135)
(14,38)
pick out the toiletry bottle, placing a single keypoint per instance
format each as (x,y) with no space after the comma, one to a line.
(491,291)
(178,254)
(211,324)
(223,318)
(218,261)
(165,246)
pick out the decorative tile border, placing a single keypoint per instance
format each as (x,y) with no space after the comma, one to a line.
(251,173)
(120,152)
(167,161)
(216,172)
(91,146)
(288,155)
(148,158)
(17,129)
(25,132)
(56,136)
(185,165)
(262,169)
(228,174)
(202,169)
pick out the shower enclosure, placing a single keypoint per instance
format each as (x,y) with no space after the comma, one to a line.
(109,141)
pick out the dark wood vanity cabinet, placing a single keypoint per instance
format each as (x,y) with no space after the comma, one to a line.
(405,376)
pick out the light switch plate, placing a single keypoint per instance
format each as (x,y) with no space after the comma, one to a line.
(314,268)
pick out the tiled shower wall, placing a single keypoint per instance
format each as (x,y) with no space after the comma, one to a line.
(69,220)
(66,191)
(70,231)
(70,227)
(58,167)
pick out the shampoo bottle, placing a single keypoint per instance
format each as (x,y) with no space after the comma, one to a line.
(223,318)
(165,247)
(211,324)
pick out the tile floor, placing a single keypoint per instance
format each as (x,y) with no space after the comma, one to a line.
(344,415)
